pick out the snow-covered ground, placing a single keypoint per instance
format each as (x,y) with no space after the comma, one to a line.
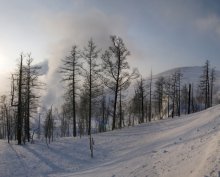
(186,146)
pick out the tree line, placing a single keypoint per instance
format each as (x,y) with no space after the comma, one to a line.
(102,93)
(171,96)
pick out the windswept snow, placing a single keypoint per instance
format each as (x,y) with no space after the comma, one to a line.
(186,146)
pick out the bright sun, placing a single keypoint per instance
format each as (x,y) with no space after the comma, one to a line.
(6,65)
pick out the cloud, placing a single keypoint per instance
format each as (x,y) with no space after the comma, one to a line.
(69,29)
(44,67)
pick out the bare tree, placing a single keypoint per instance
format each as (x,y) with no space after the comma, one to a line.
(175,92)
(19,105)
(139,99)
(70,71)
(23,95)
(179,76)
(31,85)
(104,112)
(116,70)
(83,112)
(205,84)
(149,87)
(212,81)
(49,126)
(167,91)
(91,73)
(184,99)
(189,99)
(65,120)
(159,93)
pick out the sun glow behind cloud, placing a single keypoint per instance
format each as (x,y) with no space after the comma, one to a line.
(6,64)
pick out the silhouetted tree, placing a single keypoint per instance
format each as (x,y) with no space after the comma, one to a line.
(83,111)
(212,81)
(31,85)
(167,91)
(205,84)
(20,104)
(159,93)
(189,99)
(70,71)
(116,70)
(150,97)
(91,70)
(49,126)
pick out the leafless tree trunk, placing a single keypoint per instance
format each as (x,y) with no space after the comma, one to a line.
(189,99)
(116,70)
(212,80)
(19,120)
(91,70)
(70,72)
(150,98)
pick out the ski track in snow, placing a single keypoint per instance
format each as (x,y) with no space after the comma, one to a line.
(186,146)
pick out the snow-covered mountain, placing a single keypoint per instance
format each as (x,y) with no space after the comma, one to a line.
(186,146)
(190,74)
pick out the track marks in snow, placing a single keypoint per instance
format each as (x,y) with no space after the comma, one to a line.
(186,146)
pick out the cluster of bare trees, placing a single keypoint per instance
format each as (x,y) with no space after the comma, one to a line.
(18,108)
(170,96)
(207,85)
(96,74)
(96,85)
(97,97)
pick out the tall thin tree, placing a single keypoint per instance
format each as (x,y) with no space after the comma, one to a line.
(212,81)
(150,97)
(205,84)
(116,70)
(91,72)
(19,106)
(70,71)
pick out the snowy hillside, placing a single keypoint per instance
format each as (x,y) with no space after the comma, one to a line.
(179,147)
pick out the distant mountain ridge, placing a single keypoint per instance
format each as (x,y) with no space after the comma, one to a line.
(190,74)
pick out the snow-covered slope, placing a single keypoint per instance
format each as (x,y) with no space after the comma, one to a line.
(186,146)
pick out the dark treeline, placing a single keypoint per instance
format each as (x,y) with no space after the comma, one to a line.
(98,95)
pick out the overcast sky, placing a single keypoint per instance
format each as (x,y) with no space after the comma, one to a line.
(160,34)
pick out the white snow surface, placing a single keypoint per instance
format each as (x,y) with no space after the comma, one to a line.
(179,147)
